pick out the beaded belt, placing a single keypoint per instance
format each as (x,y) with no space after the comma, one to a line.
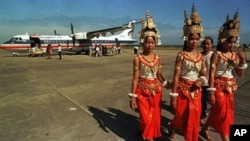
(149,86)
(226,84)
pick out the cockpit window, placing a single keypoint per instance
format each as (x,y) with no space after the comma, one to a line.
(16,39)
(12,39)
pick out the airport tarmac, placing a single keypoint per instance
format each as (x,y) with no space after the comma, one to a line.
(82,98)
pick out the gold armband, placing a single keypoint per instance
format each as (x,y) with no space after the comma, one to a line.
(136,68)
(204,69)
(177,68)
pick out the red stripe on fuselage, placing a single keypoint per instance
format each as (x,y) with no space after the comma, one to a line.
(14,47)
(64,46)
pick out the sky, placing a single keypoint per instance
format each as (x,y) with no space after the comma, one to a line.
(16,16)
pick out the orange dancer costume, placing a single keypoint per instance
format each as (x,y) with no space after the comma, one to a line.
(149,96)
(188,105)
(222,113)
(189,76)
(225,64)
(147,83)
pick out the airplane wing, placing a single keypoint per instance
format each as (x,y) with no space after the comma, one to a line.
(104,32)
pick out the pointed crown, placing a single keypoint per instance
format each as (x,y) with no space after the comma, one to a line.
(231,28)
(192,24)
(149,29)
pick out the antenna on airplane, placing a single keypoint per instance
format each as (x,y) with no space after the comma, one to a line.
(73,35)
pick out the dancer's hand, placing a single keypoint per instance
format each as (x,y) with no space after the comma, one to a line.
(211,98)
(133,103)
(198,83)
(242,57)
(169,85)
(195,86)
(173,104)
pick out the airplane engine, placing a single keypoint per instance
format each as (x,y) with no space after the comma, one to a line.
(81,35)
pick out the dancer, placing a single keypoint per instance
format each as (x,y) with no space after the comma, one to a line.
(147,83)
(225,64)
(189,77)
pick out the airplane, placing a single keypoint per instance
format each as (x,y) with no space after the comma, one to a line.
(76,42)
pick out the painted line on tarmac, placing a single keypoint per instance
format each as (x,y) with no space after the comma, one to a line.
(243,84)
(59,92)
(81,107)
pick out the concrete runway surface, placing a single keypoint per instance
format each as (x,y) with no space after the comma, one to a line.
(82,98)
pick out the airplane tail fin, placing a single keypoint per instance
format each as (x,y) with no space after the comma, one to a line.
(128,32)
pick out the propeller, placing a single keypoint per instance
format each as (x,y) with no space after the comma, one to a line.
(72,34)
(55,32)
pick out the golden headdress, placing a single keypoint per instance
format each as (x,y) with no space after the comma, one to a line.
(149,29)
(231,28)
(192,24)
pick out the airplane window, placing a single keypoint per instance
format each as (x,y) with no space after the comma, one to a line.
(20,38)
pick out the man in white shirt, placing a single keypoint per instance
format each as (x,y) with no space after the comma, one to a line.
(136,49)
(59,50)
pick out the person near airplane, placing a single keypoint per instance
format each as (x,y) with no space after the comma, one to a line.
(136,49)
(48,50)
(59,51)
(97,50)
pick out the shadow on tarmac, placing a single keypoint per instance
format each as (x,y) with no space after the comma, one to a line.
(125,125)
(116,121)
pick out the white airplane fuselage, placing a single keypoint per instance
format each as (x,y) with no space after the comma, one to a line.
(66,42)
(26,41)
